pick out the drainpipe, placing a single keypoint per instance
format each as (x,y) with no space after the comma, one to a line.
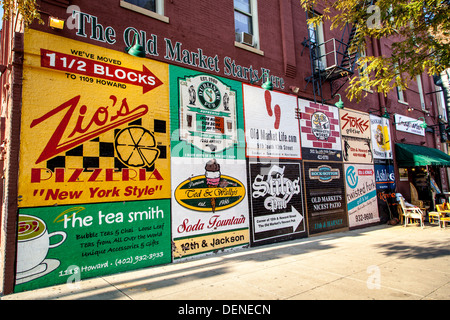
(376,48)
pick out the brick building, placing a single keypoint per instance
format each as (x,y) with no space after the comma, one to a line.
(136,133)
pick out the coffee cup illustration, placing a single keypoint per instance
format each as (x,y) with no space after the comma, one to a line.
(33,243)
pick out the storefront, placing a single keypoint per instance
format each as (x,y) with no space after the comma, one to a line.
(424,169)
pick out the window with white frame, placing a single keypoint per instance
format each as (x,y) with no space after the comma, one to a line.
(400,92)
(246,22)
(440,102)
(151,8)
(362,67)
(420,88)
(400,95)
(317,38)
(146,4)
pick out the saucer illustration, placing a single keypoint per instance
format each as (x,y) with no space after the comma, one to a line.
(47,266)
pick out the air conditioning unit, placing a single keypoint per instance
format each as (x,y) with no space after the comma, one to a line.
(247,38)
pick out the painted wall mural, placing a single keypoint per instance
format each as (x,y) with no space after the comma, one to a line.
(276,201)
(383,165)
(65,244)
(209,206)
(205,120)
(94,177)
(271,126)
(128,163)
(209,191)
(356,138)
(325,196)
(99,131)
(361,194)
(320,131)
(381,137)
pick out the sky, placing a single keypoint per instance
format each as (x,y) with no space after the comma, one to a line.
(1,16)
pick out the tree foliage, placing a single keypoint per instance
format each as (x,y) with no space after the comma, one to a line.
(420,30)
(26,9)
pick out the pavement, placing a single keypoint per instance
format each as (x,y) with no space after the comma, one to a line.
(381,263)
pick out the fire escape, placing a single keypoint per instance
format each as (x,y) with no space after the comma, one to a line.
(332,60)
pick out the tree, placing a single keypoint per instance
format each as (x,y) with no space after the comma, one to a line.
(27,9)
(420,28)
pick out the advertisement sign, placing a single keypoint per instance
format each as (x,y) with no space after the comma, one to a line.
(384,175)
(356,136)
(271,126)
(381,137)
(276,201)
(64,244)
(361,194)
(410,125)
(209,205)
(206,115)
(320,131)
(385,180)
(325,196)
(95,125)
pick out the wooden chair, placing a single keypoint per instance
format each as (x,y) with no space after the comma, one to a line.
(434,216)
(411,213)
(442,211)
(415,198)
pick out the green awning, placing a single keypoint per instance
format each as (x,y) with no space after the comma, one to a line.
(409,155)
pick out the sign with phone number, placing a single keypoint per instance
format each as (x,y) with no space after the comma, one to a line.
(91,240)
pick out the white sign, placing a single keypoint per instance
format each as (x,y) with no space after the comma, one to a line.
(410,125)
(361,194)
(278,221)
(381,137)
(271,127)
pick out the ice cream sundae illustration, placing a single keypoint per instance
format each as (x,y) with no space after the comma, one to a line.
(212,175)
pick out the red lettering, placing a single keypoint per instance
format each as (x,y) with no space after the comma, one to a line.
(62,175)
(186,227)
(101,122)
(355,122)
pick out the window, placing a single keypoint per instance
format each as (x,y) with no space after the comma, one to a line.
(151,8)
(440,102)
(419,86)
(246,22)
(400,92)
(400,95)
(317,39)
(146,4)
(362,68)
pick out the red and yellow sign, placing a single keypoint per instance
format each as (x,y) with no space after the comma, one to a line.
(95,124)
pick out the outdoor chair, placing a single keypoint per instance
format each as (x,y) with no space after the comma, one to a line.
(415,198)
(411,213)
(441,214)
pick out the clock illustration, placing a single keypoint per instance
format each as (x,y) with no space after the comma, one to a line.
(209,95)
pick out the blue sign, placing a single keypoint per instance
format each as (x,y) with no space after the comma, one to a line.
(352,177)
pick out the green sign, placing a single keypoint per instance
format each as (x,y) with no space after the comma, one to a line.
(64,244)
(206,115)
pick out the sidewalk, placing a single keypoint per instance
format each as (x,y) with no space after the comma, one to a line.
(381,262)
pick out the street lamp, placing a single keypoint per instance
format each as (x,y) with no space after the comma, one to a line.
(266,85)
(340,103)
(137,50)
